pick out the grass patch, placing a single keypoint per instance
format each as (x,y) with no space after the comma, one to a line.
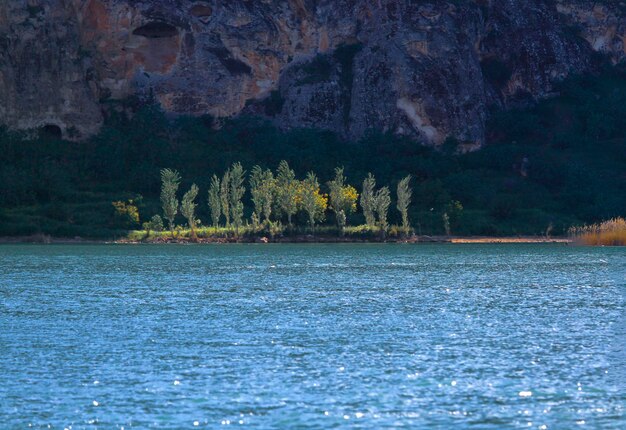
(271,231)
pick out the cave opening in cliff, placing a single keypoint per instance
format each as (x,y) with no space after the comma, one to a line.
(51,131)
(156,30)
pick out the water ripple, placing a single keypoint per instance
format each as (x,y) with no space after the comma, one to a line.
(312,336)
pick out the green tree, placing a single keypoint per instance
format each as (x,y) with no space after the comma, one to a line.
(188,209)
(262,189)
(382,200)
(404,193)
(255,222)
(215,205)
(342,198)
(313,202)
(236,192)
(367,199)
(225,197)
(155,224)
(170,181)
(287,190)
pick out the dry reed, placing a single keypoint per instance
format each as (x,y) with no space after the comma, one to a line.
(607,233)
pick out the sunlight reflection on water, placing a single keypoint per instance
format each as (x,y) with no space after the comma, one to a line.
(312,336)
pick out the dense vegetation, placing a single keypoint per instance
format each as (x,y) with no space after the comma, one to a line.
(544,169)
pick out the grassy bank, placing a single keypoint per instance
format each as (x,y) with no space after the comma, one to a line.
(327,234)
(275,233)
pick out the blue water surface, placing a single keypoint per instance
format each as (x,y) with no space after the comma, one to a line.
(312,336)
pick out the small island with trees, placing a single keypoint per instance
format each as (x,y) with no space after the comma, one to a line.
(285,208)
(288,209)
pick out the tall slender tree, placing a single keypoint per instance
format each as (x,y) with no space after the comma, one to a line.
(313,202)
(188,209)
(367,199)
(215,205)
(404,193)
(342,198)
(225,196)
(286,190)
(382,201)
(446,223)
(170,181)
(236,192)
(262,189)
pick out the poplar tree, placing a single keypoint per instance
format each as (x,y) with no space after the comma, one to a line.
(367,200)
(188,209)
(262,189)
(236,192)
(342,198)
(215,204)
(446,223)
(313,202)
(170,181)
(382,201)
(404,194)
(286,190)
(225,197)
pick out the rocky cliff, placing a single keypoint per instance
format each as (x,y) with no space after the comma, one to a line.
(426,68)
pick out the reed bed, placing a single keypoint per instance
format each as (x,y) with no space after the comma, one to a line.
(607,233)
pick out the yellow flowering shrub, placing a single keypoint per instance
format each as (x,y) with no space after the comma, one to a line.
(321,201)
(126,211)
(350,197)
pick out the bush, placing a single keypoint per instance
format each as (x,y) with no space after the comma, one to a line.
(155,224)
(126,213)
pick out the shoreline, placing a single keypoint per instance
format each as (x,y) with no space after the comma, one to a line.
(528,239)
(45,239)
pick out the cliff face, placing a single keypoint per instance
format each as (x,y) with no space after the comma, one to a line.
(426,68)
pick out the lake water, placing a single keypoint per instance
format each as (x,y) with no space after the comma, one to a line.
(312,336)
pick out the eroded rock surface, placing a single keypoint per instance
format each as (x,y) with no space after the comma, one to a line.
(425,68)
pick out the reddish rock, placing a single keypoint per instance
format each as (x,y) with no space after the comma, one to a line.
(426,69)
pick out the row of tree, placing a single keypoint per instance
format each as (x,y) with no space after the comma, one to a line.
(281,194)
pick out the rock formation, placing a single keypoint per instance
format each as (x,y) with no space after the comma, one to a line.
(424,68)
